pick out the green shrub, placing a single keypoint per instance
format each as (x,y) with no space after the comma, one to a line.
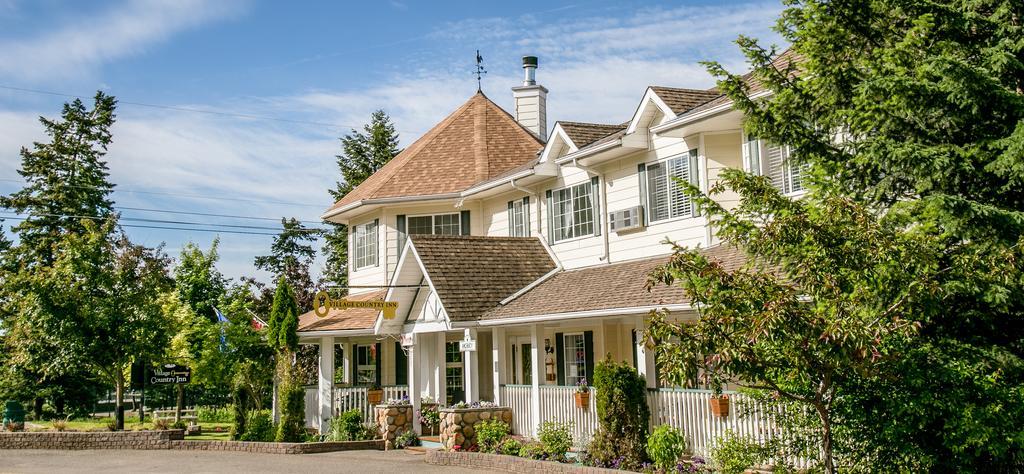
(532,450)
(407,439)
(259,426)
(347,426)
(369,431)
(490,434)
(665,446)
(733,454)
(555,438)
(161,423)
(215,415)
(292,428)
(510,446)
(179,425)
(621,438)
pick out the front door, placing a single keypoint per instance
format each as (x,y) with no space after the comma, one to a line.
(522,362)
(453,373)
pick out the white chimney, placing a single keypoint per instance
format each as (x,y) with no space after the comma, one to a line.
(532,100)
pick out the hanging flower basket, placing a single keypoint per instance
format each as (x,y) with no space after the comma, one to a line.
(582,399)
(720,405)
(374,397)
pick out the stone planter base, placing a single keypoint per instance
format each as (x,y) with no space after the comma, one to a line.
(458,425)
(393,420)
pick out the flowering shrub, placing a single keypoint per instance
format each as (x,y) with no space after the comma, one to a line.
(397,401)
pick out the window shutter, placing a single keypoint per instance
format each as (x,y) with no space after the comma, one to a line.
(379,354)
(526,215)
(551,220)
(464,218)
(511,219)
(560,358)
(774,156)
(641,172)
(376,242)
(401,365)
(400,226)
(694,176)
(595,195)
(355,365)
(588,351)
(636,356)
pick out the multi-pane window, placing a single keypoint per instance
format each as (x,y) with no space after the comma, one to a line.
(441,224)
(575,358)
(364,243)
(519,217)
(453,372)
(784,173)
(572,211)
(366,364)
(752,155)
(665,196)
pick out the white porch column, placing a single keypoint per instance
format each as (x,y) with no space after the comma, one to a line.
(645,364)
(536,364)
(440,362)
(326,383)
(471,370)
(414,382)
(498,352)
(348,352)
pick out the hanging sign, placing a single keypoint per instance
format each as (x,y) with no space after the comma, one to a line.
(322,304)
(170,374)
(467,345)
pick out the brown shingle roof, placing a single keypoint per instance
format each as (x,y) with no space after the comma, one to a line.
(477,142)
(781,62)
(681,100)
(339,319)
(619,285)
(473,274)
(583,134)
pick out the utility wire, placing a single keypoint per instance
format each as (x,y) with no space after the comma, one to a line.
(161,221)
(216,231)
(337,126)
(206,214)
(196,196)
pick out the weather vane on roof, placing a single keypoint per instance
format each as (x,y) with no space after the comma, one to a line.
(480,71)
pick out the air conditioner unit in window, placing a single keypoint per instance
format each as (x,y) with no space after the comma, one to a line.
(626,219)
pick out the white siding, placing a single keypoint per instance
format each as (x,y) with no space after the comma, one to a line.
(368,276)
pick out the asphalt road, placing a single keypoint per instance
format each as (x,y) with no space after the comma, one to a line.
(107,461)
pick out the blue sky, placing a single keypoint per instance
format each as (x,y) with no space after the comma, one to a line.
(294,76)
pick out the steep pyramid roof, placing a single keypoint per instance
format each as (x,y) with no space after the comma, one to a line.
(477,142)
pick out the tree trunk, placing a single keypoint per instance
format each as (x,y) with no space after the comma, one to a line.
(37,408)
(181,403)
(826,439)
(119,399)
(59,404)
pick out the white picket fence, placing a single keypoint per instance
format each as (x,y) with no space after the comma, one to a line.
(348,398)
(684,409)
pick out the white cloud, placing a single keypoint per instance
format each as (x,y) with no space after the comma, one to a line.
(120,31)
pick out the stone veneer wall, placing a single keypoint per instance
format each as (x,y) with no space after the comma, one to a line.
(499,462)
(458,425)
(393,420)
(90,439)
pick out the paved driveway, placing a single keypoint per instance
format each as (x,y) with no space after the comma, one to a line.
(107,461)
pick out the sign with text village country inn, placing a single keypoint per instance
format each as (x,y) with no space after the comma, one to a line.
(170,374)
(323,304)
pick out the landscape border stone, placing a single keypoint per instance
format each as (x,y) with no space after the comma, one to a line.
(166,439)
(501,462)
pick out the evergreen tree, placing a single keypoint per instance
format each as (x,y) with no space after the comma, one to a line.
(363,153)
(917,109)
(283,320)
(290,258)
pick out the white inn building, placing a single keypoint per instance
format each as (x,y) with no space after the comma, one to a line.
(536,244)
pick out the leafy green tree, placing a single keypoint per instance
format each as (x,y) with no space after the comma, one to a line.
(197,281)
(363,153)
(67,185)
(926,101)
(828,289)
(291,255)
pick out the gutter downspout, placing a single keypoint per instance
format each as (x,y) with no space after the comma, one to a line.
(604,205)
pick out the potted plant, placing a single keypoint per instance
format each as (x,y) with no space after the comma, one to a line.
(430,418)
(720,405)
(582,393)
(374,394)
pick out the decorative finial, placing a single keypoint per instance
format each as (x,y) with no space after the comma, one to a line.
(480,71)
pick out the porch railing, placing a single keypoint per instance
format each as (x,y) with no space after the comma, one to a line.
(558,404)
(348,398)
(517,397)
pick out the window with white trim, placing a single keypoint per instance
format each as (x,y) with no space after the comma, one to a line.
(440,224)
(519,217)
(572,211)
(665,196)
(366,364)
(575,358)
(364,244)
(752,156)
(785,175)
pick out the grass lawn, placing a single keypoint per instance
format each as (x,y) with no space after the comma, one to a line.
(130,424)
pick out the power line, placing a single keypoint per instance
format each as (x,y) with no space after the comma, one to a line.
(216,231)
(206,214)
(161,221)
(194,196)
(199,111)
